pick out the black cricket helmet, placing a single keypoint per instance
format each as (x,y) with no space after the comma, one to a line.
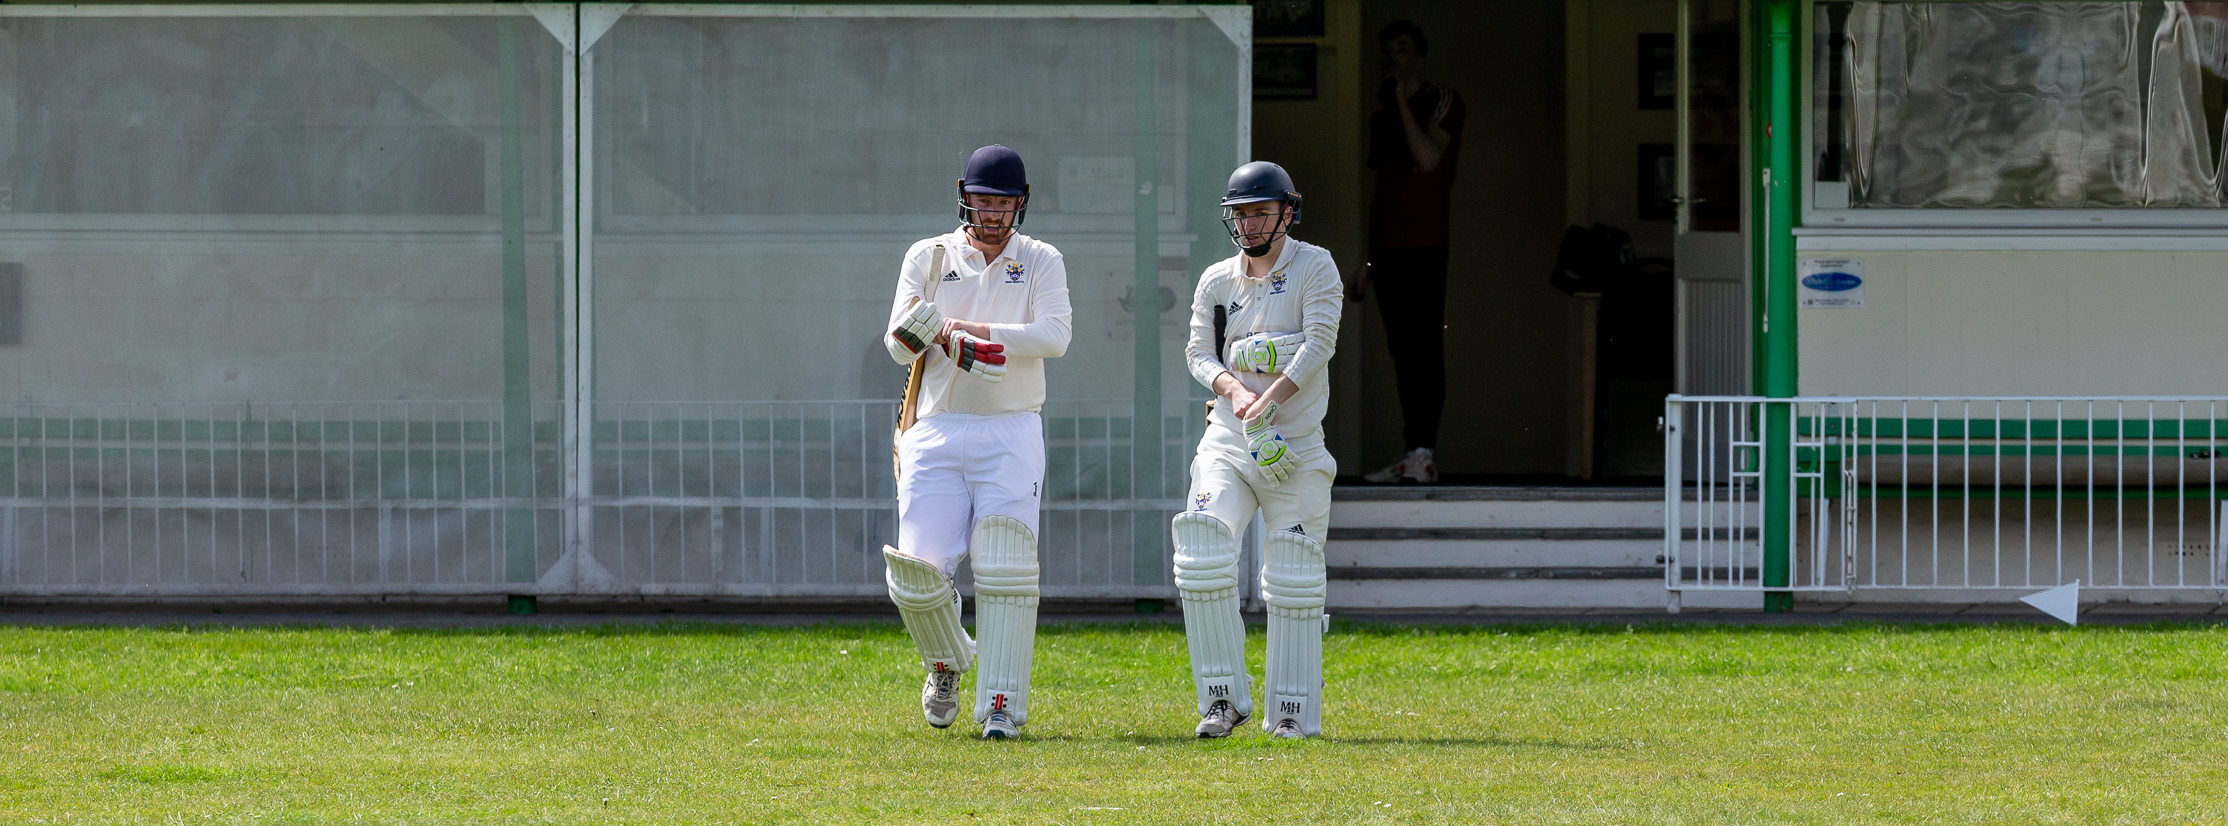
(1259,182)
(994,170)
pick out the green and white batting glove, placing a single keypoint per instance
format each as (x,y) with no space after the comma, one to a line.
(1263,352)
(1270,453)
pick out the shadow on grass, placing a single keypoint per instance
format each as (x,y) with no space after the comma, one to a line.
(1247,742)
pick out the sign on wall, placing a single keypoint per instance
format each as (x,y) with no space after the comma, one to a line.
(1830,283)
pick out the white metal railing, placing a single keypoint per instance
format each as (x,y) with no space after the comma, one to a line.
(1922,494)
(770,499)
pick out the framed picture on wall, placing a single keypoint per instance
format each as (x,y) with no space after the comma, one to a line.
(1287,18)
(1284,71)
(1659,71)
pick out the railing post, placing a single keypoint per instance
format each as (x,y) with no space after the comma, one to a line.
(1674,482)
(1774,228)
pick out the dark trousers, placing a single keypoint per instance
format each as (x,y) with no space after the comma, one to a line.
(1411,285)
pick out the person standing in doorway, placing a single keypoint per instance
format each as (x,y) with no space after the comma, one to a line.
(1415,137)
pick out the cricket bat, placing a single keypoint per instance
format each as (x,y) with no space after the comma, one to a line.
(908,411)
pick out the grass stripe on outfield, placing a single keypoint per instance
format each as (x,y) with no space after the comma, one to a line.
(718,724)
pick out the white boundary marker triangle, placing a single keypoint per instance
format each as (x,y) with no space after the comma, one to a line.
(2062,602)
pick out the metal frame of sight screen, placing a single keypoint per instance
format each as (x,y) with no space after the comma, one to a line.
(360,300)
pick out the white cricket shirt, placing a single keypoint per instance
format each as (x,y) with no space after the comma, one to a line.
(1022,296)
(1301,294)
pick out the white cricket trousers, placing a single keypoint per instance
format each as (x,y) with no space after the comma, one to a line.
(1226,483)
(955,469)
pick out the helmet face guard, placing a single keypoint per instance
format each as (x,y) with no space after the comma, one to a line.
(971,216)
(1260,182)
(1285,220)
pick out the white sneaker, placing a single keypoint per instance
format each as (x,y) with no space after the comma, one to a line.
(998,726)
(1287,729)
(1222,718)
(1416,468)
(940,698)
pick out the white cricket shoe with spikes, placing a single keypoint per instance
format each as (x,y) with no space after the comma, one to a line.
(999,726)
(940,698)
(1287,729)
(1416,468)
(1221,719)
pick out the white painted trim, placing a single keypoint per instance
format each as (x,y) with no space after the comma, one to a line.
(1991,219)
(895,10)
(1900,222)
(598,18)
(2031,239)
(275,10)
(558,19)
(1236,23)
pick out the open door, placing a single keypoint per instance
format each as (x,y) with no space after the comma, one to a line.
(1712,260)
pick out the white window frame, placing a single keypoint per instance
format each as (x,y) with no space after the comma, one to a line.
(2011,223)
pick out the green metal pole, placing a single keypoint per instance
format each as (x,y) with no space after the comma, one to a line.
(518,419)
(1776,237)
(1146,528)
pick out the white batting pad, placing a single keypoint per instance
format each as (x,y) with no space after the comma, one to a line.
(1207,577)
(930,607)
(1292,583)
(1006,592)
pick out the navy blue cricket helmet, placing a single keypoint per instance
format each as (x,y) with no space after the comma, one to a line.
(1258,182)
(994,170)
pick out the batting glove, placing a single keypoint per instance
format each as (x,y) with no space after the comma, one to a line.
(917,326)
(1264,352)
(985,359)
(1270,454)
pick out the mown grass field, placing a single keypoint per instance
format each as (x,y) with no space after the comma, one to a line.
(743,724)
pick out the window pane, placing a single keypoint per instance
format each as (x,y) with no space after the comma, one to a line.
(2006,105)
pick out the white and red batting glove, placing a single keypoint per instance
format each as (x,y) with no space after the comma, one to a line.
(985,359)
(918,326)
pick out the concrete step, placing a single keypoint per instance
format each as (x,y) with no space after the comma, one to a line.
(1347,552)
(1388,595)
(1497,507)
(1434,549)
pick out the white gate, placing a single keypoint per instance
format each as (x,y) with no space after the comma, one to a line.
(1953,499)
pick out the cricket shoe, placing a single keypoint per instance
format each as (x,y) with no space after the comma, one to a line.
(940,698)
(1221,719)
(1416,468)
(1287,729)
(998,726)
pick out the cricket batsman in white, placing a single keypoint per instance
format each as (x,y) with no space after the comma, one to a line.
(1263,325)
(981,308)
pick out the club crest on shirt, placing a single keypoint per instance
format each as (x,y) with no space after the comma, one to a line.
(1199,503)
(1276,283)
(1014,271)
(951,276)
